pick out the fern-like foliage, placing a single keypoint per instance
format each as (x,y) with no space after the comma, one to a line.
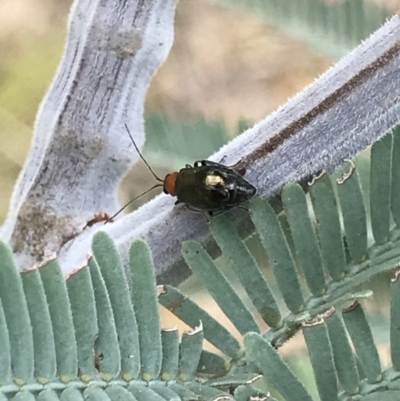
(91,337)
(96,334)
(329,240)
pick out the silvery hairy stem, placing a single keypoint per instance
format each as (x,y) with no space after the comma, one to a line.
(81,151)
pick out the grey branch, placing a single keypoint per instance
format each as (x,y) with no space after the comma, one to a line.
(81,151)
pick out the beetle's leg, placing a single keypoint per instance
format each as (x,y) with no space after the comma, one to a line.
(222,160)
(237,167)
(234,166)
(191,208)
(220,212)
(198,211)
(237,164)
(213,213)
(241,170)
(243,208)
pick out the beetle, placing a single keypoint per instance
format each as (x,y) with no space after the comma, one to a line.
(206,186)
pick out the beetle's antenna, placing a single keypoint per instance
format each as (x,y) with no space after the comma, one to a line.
(143,193)
(132,200)
(145,162)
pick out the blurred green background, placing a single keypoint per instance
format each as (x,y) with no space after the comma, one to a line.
(232,63)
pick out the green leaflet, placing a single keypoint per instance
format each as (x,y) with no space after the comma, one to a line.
(307,252)
(320,351)
(274,368)
(55,288)
(16,316)
(219,287)
(83,308)
(251,277)
(170,353)
(281,260)
(5,351)
(190,352)
(328,227)
(361,336)
(111,268)
(105,348)
(354,214)
(191,313)
(42,329)
(380,191)
(345,360)
(144,301)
